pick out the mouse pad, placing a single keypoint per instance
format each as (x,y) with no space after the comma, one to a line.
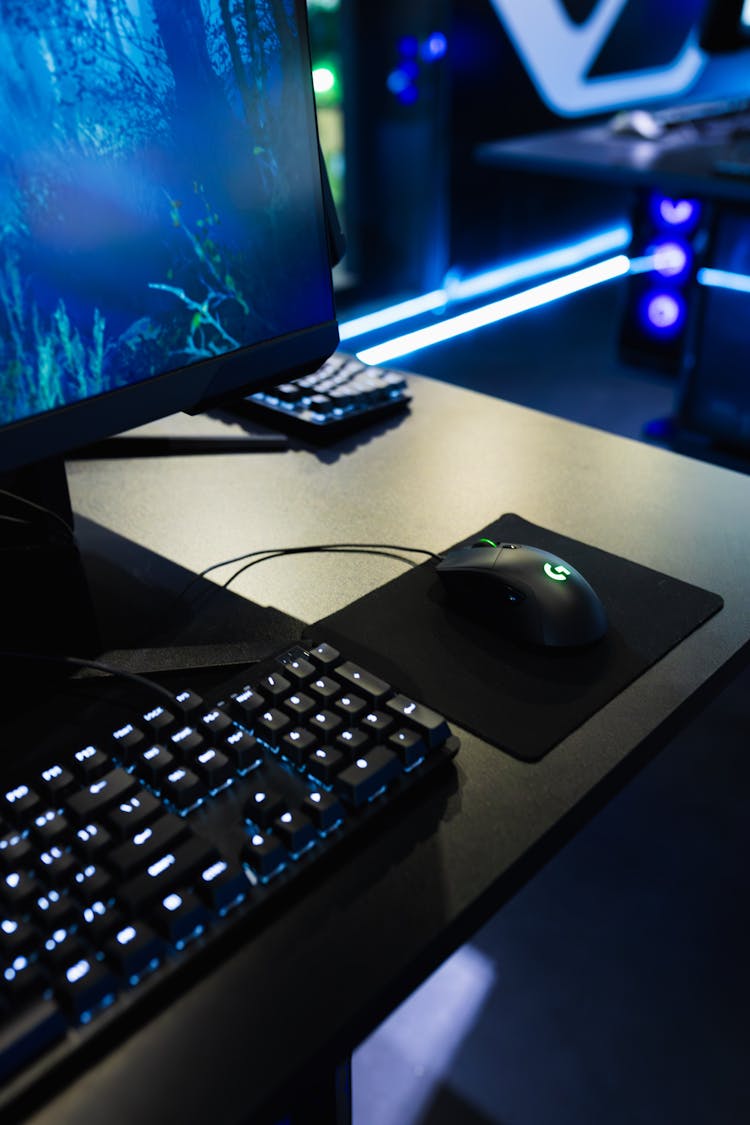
(521,699)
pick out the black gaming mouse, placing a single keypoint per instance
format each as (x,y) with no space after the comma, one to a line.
(524,592)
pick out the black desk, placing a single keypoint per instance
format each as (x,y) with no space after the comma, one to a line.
(678,163)
(319,977)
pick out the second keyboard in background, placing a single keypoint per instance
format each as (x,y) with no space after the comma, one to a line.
(342,396)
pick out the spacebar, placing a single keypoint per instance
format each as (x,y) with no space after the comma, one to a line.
(28,1034)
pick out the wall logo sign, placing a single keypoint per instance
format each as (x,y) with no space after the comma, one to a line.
(559,53)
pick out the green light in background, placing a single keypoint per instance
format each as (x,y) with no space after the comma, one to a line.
(325,80)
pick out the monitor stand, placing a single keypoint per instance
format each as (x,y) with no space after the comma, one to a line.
(45,604)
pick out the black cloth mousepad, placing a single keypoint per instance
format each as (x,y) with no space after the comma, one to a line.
(521,699)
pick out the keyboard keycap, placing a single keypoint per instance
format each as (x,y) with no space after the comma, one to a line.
(364,682)
(101,794)
(366,776)
(430,725)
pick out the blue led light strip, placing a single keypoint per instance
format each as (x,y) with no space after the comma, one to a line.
(724,279)
(506,307)
(489,281)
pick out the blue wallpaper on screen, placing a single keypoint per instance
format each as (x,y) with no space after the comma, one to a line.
(156,179)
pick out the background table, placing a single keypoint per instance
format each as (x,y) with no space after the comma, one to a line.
(677,163)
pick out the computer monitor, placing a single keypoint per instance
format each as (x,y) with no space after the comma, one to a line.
(163,247)
(726,26)
(162,230)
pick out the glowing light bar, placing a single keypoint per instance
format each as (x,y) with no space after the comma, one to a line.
(489,281)
(506,307)
(724,279)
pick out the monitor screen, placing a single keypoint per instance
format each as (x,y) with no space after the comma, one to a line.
(162,232)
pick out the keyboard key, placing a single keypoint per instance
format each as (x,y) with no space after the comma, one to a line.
(182,787)
(366,776)
(295,830)
(133,814)
(83,984)
(216,723)
(133,949)
(325,655)
(351,706)
(136,853)
(271,725)
(91,841)
(154,764)
(16,852)
(174,869)
(365,683)
(297,668)
(246,704)
(353,741)
(222,883)
(325,764)
(326,723)
(101,794)
(409,745)
(325,688)
(275,686)
(212,767)
(51,827)
(263,806)
(297,744)
(20,803)
(430,725)
(243,750)
(90,763)
(186,741)
(127,741)
(299,705)
(56,780)
(179,915)
(265,855)
(159,721)
(189,703)
(378,724)
(324,809)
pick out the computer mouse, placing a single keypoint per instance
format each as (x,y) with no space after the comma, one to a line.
(524,592)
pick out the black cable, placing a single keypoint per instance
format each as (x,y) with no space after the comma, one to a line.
(278,552)
(48,512)
(274,552)
(339,549)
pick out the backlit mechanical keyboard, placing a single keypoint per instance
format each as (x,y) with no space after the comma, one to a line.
(128,852)
(341,396)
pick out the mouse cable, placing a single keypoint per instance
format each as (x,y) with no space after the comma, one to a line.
(275,552)
(250,558)
(340,549)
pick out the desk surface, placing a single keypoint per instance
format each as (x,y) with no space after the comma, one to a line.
(675,163)
(318,978)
